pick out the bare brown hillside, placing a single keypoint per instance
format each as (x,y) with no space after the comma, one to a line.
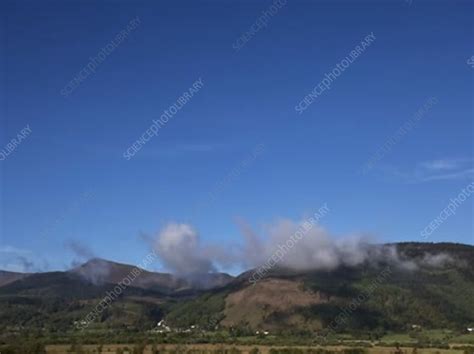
(255,304)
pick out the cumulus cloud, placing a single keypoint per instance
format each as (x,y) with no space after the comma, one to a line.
(298,246)
(305,248)
(180,250)
(284,243)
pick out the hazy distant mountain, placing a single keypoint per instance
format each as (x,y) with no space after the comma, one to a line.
(99,273)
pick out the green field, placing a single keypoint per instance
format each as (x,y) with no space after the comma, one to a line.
(239,349)
(419,342)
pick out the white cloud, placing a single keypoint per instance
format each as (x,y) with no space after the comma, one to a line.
(435,170)
(444,169)
(182,251)
(179,249)
(440,165)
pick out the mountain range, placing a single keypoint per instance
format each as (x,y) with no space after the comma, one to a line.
(428,285)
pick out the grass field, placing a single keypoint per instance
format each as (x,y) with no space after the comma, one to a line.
(216,348)
(439,341)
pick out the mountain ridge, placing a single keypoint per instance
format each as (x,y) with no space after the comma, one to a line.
(427,284)
(100,271)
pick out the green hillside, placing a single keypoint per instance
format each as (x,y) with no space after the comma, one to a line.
(373,298)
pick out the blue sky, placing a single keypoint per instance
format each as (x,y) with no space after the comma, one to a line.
(68,180)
